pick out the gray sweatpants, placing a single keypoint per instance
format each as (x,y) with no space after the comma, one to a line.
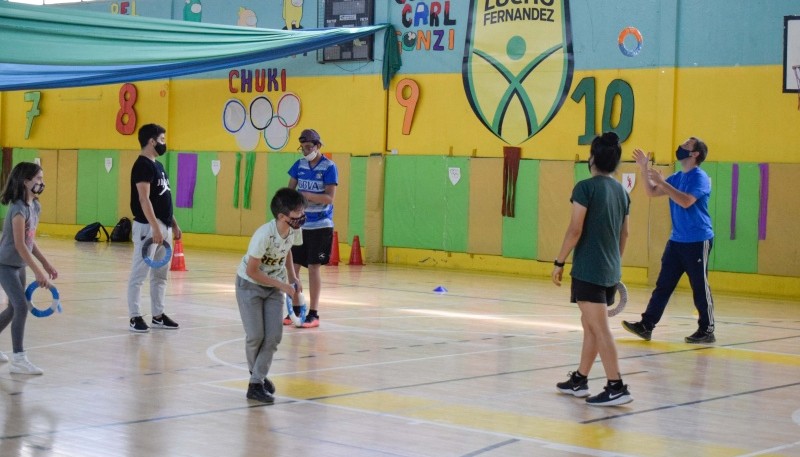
(139,270)
(262,309)
(12,279)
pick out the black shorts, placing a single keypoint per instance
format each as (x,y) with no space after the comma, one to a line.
(316,247)
(586,291)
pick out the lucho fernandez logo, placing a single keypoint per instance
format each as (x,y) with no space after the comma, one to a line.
(518,64)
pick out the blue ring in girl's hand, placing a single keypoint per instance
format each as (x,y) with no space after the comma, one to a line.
(156,263)
(55,306)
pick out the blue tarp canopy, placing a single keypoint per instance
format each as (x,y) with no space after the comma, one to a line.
(44,47)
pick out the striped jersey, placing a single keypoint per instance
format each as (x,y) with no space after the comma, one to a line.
(314,180)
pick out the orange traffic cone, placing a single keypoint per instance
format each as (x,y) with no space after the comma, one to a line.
(355,253)
(178,261)
(334,260)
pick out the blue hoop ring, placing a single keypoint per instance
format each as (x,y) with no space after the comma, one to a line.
(639,40)
(297,321)
(156,263)
(55,306)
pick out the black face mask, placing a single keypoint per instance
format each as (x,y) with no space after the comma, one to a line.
(589,163)
(161,148)
(38,188)
(296,222)
(682,153)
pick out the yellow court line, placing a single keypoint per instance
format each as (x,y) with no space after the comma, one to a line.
(532,426)
(721,352)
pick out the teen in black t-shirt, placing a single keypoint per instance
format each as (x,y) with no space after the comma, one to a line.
(151,204)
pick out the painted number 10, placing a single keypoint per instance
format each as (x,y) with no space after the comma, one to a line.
(617,88)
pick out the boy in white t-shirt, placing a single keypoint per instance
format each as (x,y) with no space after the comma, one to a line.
(264,278)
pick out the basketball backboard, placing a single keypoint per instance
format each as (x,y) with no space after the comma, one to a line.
(791,52)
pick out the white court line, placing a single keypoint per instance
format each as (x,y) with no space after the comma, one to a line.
(474,316)
(210,353)
(771,450)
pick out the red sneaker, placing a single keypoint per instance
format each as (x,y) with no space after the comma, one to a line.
(311,321)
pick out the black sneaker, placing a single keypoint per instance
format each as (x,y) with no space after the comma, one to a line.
(638,329)
(576,385)
(269,386)
(138,325)
(312,320)
(258,393)
(164,322)
(611,397)
(700,337)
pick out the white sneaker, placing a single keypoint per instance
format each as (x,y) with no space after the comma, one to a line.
(3,358)
(21,365)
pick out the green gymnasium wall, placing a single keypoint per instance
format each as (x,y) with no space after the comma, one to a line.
(424,209)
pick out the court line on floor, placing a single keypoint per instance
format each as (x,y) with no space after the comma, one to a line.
(771,450)
(545,443)
(690,403)
(491,448)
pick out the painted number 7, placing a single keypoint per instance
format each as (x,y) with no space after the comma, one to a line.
(33,112)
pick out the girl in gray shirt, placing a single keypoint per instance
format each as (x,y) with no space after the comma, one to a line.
(17,250)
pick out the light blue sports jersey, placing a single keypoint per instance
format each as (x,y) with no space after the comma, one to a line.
(314,180)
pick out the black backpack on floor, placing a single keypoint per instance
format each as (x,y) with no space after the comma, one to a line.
(91,232)
(122,231)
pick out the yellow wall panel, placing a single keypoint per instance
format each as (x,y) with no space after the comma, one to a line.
(228,217)
(342,109)
(256,216)
(738,125)
(125,164)
(556,180)
(48,159)
(636,248)
(779,253)
(373,217)
(659,229)
(341,203)
(67,187)
(485,232)
(434,114)
(82,118)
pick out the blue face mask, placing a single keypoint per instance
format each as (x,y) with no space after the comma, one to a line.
(682,153)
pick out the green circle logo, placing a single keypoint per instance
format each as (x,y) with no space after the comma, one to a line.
(515,47)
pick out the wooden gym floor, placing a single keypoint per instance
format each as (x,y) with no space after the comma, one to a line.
(394,370)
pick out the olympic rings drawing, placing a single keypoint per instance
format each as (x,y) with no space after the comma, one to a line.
(54,306)
(621,40)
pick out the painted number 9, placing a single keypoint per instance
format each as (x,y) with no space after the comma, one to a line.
(617,88)
(410,102)
(126,116)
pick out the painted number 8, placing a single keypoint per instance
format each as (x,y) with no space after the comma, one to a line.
(126,116)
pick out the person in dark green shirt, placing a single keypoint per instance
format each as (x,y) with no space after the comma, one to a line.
(597,232)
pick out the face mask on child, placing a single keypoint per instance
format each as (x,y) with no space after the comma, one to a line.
(296,222)
(38,188)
